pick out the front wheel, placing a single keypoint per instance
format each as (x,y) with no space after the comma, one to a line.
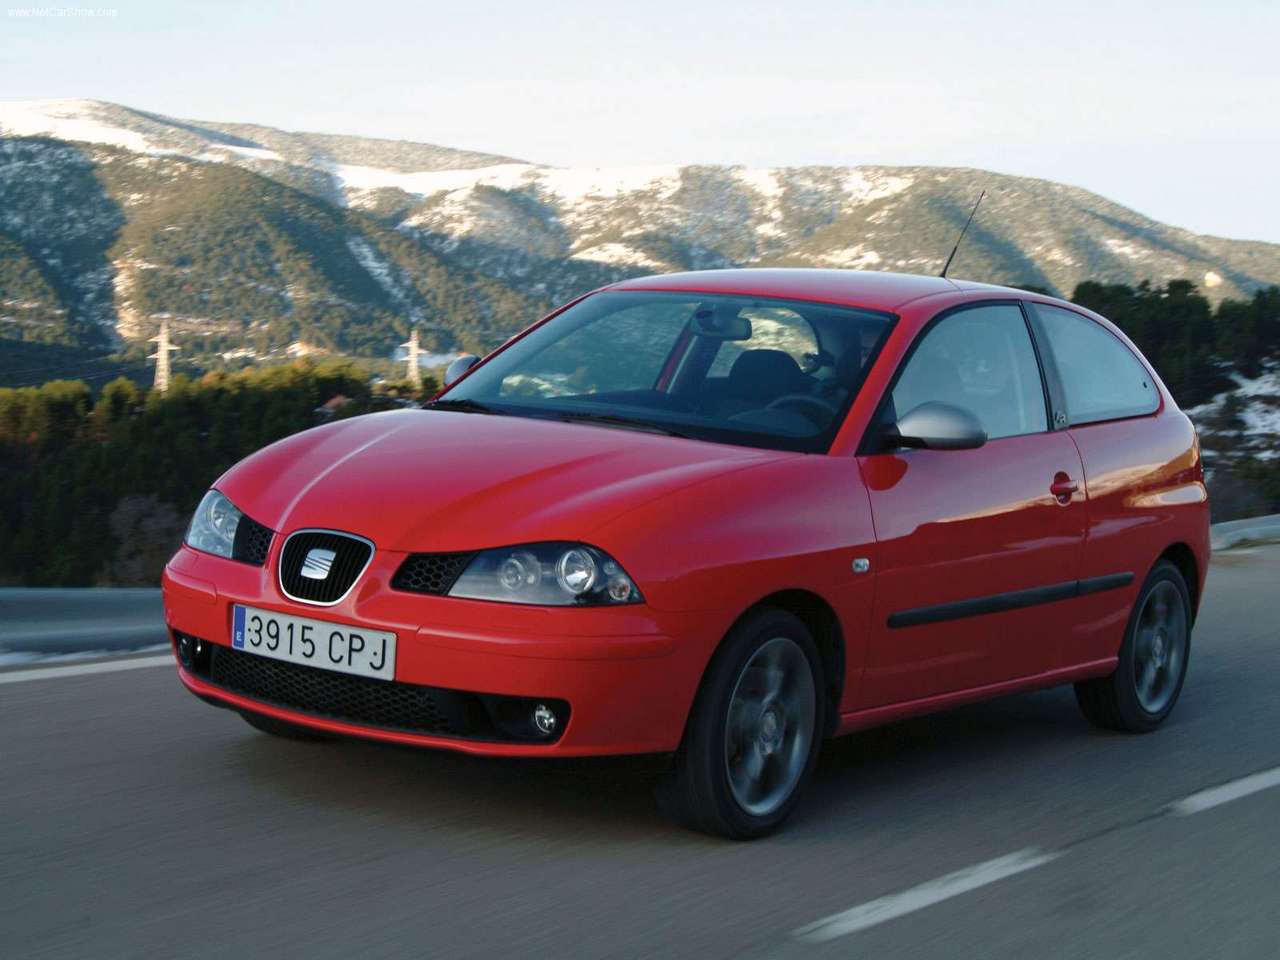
(1153,659)
(754,731)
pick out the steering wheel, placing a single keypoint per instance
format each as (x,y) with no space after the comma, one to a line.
(805,400)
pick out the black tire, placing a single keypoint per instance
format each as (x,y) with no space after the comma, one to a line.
(697,791)
(281,728)
(1116,702)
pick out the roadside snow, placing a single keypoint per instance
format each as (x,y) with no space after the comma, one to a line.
(1260,408)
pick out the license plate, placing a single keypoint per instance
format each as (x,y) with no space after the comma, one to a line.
(314,643)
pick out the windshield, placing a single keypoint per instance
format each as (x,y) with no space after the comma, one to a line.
(744,370)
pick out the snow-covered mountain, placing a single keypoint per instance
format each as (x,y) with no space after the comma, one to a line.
(252,237)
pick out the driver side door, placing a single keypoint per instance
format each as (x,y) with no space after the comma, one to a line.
(977,552)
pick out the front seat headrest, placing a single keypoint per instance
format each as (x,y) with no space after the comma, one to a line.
(765,375)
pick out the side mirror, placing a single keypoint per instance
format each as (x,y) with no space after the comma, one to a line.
(937,426)
(459,366)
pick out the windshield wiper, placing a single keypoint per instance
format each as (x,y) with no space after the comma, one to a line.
(464,405)
(609,420)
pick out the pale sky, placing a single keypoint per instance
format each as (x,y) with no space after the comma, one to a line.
(1170,108)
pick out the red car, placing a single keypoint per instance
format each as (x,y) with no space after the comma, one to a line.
(720,515)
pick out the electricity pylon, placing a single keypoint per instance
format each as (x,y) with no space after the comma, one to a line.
(414,372)
(161,356)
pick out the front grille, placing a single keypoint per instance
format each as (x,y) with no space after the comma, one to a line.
(373,703)
(430,572)
(377,703)
(252,542)
(350,555)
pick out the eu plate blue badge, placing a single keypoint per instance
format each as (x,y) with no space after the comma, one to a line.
(237,628)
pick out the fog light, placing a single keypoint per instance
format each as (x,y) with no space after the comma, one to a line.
(186,650)
(544,719)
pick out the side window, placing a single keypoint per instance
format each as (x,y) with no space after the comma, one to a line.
(1101,377)
(772,328)
(980,359)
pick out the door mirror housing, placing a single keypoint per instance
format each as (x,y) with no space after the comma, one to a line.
(459,366)
(936,426)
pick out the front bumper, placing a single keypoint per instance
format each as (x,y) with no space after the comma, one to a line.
(628,674)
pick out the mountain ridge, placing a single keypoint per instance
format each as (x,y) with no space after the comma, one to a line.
(254,241)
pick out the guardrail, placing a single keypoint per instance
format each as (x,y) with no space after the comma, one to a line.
(54,621)
(1232,532)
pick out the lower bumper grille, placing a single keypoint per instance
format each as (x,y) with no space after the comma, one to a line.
(401,706)
(406,707)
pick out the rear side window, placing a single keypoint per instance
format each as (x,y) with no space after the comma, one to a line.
(1101,377)
(772,328)
(980,359)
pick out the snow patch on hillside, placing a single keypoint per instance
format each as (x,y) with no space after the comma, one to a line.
(1055,254)
(1124,248)
(763,182)
(570,185)
(66,120)
(384,275)
(861,186)
(619,254)
(424,183)
(253,153)
(856,257)
(1259,412)
(575,184)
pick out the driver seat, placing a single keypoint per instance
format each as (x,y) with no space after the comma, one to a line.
(758,377)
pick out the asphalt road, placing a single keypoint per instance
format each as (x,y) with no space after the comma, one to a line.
(137,822)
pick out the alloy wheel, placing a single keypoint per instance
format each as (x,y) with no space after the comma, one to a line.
(770,727)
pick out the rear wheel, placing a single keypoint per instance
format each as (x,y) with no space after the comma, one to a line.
(281,728)
(753,734)
(1153,659)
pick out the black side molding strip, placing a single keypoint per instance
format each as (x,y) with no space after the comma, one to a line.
(1112,581)
(1014,600)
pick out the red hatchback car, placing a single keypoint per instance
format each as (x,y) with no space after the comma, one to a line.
(721,515)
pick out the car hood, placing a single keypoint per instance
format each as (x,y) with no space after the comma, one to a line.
(436,480)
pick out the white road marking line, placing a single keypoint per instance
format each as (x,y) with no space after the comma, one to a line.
(926,895)
(1216,796)
(107,666)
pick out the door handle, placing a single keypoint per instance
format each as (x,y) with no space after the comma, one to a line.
(1063,487)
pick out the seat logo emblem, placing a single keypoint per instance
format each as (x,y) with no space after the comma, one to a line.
(317,564)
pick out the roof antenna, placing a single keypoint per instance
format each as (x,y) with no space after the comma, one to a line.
(943,274)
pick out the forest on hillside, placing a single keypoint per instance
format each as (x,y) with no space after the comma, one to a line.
(97,482)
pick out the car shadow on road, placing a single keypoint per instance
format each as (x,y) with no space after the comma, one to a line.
(1027,742)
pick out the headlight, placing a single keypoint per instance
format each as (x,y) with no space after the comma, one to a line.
(555,574)
(213,528)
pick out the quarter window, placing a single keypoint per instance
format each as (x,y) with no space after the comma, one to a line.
(1101,377)
(772,328)
(980,359)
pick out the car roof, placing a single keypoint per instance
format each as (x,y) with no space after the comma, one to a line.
(873,290)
